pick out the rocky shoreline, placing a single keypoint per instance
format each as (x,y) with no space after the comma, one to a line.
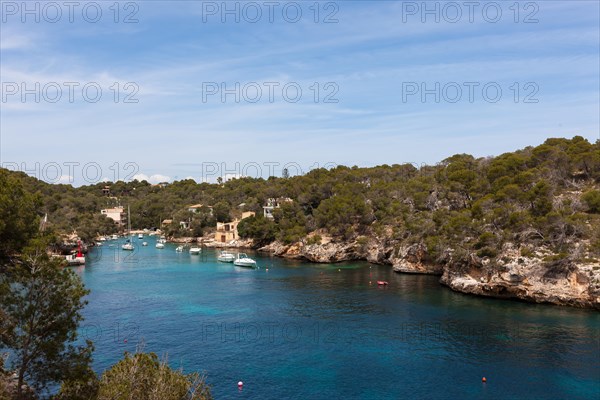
(528,278)
(510,275)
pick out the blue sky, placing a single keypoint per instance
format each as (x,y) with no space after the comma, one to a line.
(371,61)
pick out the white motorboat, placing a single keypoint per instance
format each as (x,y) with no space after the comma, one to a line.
(128,246)
(243,260)
(179,249)
(140,236)
(74,259)
(160,245)
(144,243)
(226,257)
(114,237)
(195,250)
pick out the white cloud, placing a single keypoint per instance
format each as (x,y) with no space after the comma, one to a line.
(9,40)
(64,179)
(228,177)
(156,178)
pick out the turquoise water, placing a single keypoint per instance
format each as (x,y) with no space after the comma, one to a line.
(296,330)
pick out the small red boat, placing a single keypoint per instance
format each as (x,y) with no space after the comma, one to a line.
(382,283)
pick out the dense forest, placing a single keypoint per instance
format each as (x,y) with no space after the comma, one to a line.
(546,195)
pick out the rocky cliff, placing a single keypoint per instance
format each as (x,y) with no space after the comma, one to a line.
(536,278)
(510,275)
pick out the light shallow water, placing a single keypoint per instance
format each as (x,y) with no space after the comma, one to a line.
(315,331)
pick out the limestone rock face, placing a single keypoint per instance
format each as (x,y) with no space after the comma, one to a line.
(322,253)
(412,260)
(509,275)
(531,279)
(239,243)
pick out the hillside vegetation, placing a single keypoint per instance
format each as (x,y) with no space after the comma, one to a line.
(546,195)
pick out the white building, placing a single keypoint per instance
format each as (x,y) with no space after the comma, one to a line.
(197,207)
(117,214)
(272,204)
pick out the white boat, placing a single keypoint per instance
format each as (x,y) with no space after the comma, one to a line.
(226,257)
(98,243)
(74,259)
(160,245)
(195,250)
(179,249)
(114,237)
(243,260)
(140,236)
(144,243)
(129,244)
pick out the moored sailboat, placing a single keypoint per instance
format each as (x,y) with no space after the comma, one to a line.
(129,243)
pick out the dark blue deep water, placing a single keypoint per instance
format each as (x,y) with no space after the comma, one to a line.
(311,331)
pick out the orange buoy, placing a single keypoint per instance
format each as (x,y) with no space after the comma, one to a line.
(483,379)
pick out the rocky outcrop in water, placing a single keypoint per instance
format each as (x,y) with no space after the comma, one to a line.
(532,278)
(510,275)
(325,252)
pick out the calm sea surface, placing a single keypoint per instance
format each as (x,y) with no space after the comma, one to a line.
(297,330)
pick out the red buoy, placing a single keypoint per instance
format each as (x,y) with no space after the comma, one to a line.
(483,379)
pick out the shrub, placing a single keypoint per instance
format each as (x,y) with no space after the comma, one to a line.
(592,200)
(142,376)
(315,239)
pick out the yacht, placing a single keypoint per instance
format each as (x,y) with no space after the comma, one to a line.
(160,245)
(195,250)
(128,244)
(243,260)
(226,257)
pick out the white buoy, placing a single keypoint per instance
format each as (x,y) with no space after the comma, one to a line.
(240,384)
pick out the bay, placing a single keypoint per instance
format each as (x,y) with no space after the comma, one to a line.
(299,330)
